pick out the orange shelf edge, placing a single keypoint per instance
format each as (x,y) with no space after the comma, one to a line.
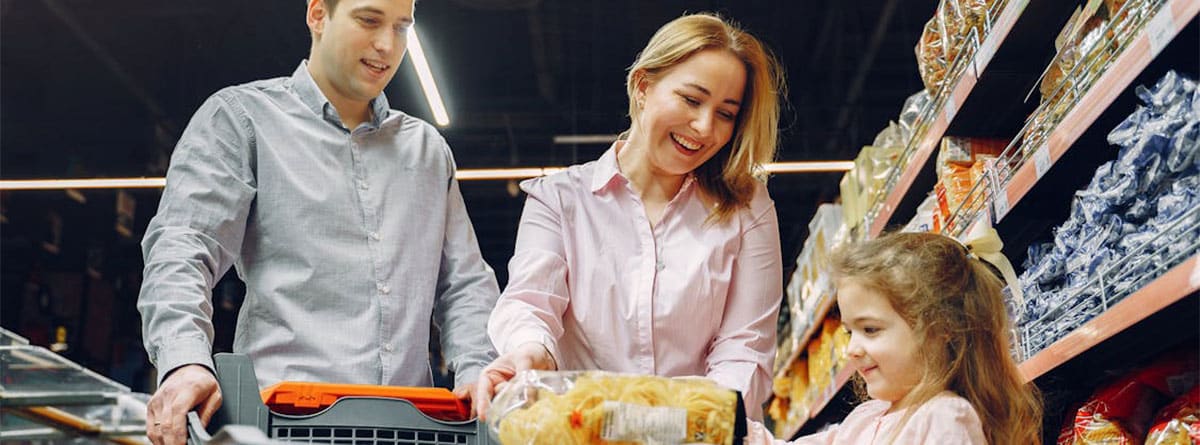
(1175,285)
(1115,80)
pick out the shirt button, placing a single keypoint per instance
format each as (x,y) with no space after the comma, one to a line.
(375,236)
(385,289)
(660,266)
(387,348)
(362,185)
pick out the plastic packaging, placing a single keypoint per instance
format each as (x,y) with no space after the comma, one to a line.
(913,106)
(592,407)
(1120,412)
(1178,423)
(931,55)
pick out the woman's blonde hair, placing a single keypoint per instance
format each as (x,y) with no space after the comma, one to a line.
(729,176)
(955,306)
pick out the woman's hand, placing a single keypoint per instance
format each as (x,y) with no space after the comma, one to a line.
(528,356)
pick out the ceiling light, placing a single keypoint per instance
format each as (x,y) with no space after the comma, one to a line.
(466,174)
(59,184)
(809,166)
(505,173)
(567,139)
(426,77)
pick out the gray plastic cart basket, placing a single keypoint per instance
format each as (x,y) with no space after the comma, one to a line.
(349,421)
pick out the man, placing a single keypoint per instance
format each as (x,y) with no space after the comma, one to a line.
(342,216)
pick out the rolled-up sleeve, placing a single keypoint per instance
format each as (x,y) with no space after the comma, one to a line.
(466,293)
(532,305)
(196,236)
(743,351)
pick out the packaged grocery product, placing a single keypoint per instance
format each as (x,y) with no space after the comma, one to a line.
(1178,423)
(913,106)
(798,388)
(922,221)
(839,339)
(931,55)
(592,407)
(820,361)
(1120,412)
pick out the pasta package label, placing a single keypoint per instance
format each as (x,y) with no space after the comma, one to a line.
(592,407)
(624,422)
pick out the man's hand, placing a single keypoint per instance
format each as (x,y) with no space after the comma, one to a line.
(185,388)
(527,356)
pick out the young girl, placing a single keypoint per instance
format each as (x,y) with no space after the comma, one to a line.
(662,256)
(928,336)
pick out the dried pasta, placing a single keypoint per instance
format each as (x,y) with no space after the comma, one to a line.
(604,408)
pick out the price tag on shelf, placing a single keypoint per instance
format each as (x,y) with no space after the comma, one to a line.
(1161,29)
(1000,204)
(951,109)
(1041,160)
(999,194)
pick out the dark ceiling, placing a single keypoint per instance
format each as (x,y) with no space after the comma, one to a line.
(102,88)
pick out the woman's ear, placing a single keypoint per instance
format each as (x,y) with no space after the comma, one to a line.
(640,84)
(315,17)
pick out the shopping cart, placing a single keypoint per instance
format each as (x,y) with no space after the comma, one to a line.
(331,413)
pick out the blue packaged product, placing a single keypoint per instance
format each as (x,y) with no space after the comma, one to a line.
(1035,253)
(1050,269)
(1134,243)
(1169,89)
(1140,210)
(1100,261)
(1179,198)
(1184,146)
(1129,130)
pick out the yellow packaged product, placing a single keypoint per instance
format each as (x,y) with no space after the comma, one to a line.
(592,407)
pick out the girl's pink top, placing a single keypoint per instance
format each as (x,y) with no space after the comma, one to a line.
(945,419)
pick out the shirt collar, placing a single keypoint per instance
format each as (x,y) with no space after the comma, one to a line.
(608,171)
(310,94)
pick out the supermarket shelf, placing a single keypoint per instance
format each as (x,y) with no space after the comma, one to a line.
(62,420)
(919,163)
(1169,21)
(815,320)
(839,380)
(1178,283)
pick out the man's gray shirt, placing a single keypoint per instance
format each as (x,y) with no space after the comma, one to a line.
(349,242)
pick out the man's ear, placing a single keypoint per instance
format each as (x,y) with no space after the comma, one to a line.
(315,17)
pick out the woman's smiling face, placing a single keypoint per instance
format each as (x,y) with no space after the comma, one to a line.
(688,113)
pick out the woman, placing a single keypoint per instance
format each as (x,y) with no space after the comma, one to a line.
(661,257)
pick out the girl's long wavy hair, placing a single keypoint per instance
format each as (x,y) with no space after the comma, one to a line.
(955,306)
(729,176)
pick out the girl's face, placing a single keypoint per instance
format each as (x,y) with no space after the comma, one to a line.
(883,347)
(689,112)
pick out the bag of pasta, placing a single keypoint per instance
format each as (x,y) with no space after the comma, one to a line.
(593,407)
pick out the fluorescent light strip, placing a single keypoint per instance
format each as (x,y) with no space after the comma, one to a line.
(60,184)
(426,77)
(505,173)
(566,139)
(809,166)
(468,174)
